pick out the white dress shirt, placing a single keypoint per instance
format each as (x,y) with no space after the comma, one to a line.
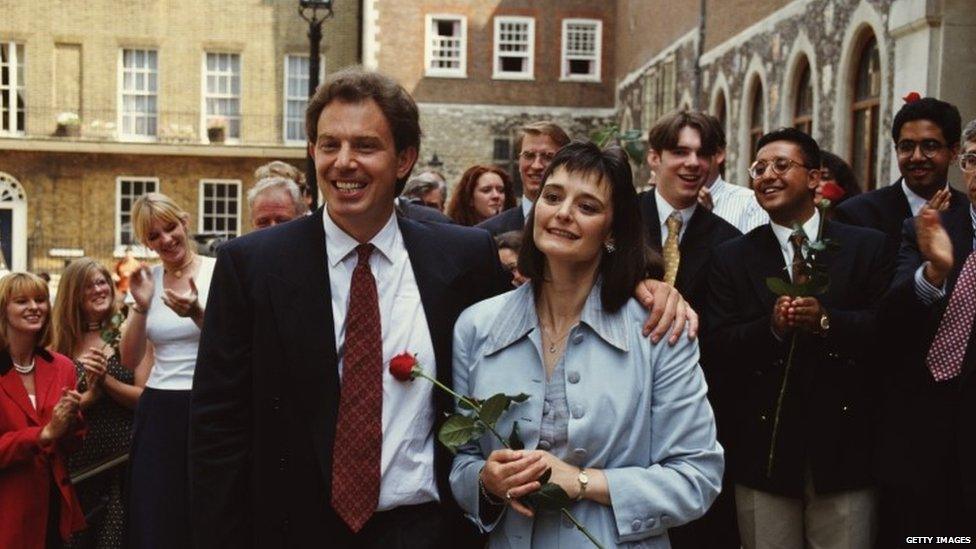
(810,227)
(407,460)
(664,210)
(737,205)
(526,206)
(915,202)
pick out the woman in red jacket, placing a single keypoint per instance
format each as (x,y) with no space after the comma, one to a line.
(39,422)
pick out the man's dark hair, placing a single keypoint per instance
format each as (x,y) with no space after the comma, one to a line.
(944,115)
(509,240)
(717,130)
(355,85)
(808,146)
(625,267)
(663,136)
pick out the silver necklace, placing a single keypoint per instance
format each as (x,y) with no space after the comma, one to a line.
(24,368)
(554,342)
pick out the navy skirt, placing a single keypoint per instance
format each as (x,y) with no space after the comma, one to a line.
(158,496)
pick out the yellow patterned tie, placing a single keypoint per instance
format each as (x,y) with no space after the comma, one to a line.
(671,255)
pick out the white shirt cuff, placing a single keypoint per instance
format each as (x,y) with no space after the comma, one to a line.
(926,292)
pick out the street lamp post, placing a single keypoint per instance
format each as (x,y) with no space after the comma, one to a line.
(315,12)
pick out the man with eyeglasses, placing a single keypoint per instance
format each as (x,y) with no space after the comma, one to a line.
(928,430)
(536,143)
(811,484)
(926,137)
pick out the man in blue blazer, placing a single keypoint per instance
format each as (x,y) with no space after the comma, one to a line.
(536,144)
(925,133)
(299,436)
(803,486)
(927,435)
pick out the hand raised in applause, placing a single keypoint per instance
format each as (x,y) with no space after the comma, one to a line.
(95,363)
(935,246)
(62,417)
(142,286)
(940,200)
(184,304)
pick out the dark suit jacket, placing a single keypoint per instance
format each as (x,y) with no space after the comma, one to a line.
(511,219)
(828,404)
(266,386)
(884,209)
(419,212)
(928,431)
(704,232)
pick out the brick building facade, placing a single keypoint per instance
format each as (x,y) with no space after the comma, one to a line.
(137,87)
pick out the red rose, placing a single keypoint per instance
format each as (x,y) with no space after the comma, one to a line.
(911,97)
(832,191)
(401,366)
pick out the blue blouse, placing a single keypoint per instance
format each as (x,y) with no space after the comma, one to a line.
(637,411)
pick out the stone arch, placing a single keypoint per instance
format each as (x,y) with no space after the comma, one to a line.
(864,20)
(803,52)
(13,199)
(755,73)
(721,98)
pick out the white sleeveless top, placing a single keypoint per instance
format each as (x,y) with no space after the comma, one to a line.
(174,338)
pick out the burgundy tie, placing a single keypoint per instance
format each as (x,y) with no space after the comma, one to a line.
(949,345)
(359,433)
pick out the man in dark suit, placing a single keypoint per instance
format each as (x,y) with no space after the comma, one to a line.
(926,137)
(808,483)
(280,457)
(928,435)
(683,147)
(536,144)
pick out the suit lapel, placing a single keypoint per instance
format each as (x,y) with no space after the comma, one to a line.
(694,250)
(300,296)
(898,202)
(766,261)
(11,384)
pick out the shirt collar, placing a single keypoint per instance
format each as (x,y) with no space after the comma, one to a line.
(664,210)
(339,244)
(810,227)
(717,186)
(519,318)
(915,202)
(526,207)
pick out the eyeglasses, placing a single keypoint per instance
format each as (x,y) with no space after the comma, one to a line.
(530,156)
(929,147)
(967,162)
(780,166)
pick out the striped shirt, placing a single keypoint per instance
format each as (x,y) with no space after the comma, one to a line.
(926,292)
(737,205)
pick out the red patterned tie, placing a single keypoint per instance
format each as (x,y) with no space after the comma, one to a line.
(949,345)
(359,434)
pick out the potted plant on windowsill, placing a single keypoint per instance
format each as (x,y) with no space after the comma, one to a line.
(217,129)
(69,125)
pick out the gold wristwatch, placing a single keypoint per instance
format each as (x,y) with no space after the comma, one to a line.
(584,480)
(824,324)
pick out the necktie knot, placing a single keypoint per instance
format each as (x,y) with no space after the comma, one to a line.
(364,251)
(798,239)
(674,222)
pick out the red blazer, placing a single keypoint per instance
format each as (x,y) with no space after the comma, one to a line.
(25,467)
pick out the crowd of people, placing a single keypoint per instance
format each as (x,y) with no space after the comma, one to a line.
(703,365)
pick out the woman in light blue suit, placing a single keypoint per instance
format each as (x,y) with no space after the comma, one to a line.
(623,424)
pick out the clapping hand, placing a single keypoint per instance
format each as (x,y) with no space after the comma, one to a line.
(935,246)
(142,286)
(184,304)
(62,417)
(95,363)
(940,201)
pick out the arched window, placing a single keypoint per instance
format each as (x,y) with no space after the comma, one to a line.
(865,113)
(719,110)
(803,103)
(755,119)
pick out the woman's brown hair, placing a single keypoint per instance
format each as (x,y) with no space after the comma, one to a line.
(23,284)
(67,318)
(461,208)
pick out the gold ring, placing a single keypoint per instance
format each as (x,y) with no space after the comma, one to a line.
(508,495)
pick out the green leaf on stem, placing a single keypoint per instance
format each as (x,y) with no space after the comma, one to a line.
(550,497)
(781,287)
(493,408)
(467,406)
(519,398)
(515,439)
(546,475)
(457,431)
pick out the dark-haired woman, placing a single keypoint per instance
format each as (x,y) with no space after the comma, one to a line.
(835,170)
(84,310)
(623,424)
(39,422)
(483,192)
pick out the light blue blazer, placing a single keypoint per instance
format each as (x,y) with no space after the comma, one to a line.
(637,411)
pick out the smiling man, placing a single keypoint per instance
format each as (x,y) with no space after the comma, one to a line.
(808,484)
(683,146)
(925,133)
(537,143)
(300,436)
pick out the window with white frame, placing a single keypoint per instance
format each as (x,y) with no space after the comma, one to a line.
(222,92)
(220,206)
(582,42)
(12,107)
(446,46)
(514,47)
(296,96)
(127,191)
(138,89)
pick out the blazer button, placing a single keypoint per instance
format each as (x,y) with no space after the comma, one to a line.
(573,377)
(281,463)
(578,338)
(546,408)
(636,525)
(779,362)
(649,523)
(762,417)
(544,444)
(758,373)
(580,453)
(578,411)
(276,404)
